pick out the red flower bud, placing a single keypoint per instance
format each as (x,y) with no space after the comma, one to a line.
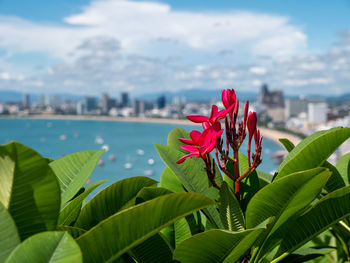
(228,97)
(251,123)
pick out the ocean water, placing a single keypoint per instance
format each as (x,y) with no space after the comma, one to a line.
(124,139)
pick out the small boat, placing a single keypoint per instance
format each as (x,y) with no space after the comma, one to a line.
(150,161)
(140,152)
(112,157)
(63,137)
(127,165)
(99,140)
(42,139)
(148,172)
(76,135)
(101,163)
(49,124)
(105,147)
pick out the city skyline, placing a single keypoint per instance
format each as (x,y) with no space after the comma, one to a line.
(91,47)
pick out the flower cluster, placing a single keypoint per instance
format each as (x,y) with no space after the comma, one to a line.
(203,143)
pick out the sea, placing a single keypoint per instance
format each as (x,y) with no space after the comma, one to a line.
(130,143)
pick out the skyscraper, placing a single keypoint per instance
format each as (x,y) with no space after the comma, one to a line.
(26,101)
(124,99)
(161,102)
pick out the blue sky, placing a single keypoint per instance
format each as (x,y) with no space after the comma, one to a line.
(87,47)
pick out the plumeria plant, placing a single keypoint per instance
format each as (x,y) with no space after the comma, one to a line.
(212,203)
(201,144)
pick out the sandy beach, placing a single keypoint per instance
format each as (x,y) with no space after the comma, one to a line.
(271,134)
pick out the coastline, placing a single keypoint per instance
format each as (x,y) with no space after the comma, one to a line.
(270,134)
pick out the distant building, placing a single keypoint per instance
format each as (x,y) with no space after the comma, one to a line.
(56,101)
(107,103)
(317,112)
(293,107)
(138,107)
(44,100)
(271,99)
(26,101)
(124,99)
(161,102)
(90,104)
(80,108)
(271,105)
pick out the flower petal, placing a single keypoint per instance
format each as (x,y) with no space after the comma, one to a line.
(197,118)
(186,141)
(182,159)
(191,149)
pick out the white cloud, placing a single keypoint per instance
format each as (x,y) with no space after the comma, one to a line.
(138,24)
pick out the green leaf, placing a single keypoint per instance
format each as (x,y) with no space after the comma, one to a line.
(7,168)
(230,211)
(53,247)
(8,233)
(154,249)
(287,144)
(216,246)
(169,180)
(173,138)
(117,196)
(282,200)
(306,254)
(111,238)
(264,175)
(334,182)
(323,214)
(192,175)
(313,151)
(73,231)
(35,194)
(249,186)
(71,211)
(149,193)
(343,166)
(74,170)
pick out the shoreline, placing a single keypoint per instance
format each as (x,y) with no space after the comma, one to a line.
(270,134)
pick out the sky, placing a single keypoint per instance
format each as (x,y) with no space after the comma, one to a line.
(93,46)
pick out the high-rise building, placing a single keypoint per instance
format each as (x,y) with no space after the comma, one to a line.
(293,107)
(124,99)
(161,102)
(317,112)
(271,99)
(90,104)
(138,107)
(26,101)
(80,108)
(56,101)
(107,103)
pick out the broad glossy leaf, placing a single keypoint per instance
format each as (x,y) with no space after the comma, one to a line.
(74,170)
(334,182)
(306,254)
(73,231)
(35,197)
(129,228)
(343,167)
(120,195)
(323,214)
(266,176)
(7,168)
(154,249)
(230,211)
(149,193)
(249,186)
(216,246)
(71,210)
(173,138)
(313,151)
(9,237)
(192,175)
(287,144)
(47,247)
(169,180)
(283,200)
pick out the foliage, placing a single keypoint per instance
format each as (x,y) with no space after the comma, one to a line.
(205,209)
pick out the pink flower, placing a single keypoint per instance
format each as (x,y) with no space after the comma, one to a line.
(214,118)
(228,98)
(201,143)
(251,123)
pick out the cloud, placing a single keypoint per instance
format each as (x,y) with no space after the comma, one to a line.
(115,45)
